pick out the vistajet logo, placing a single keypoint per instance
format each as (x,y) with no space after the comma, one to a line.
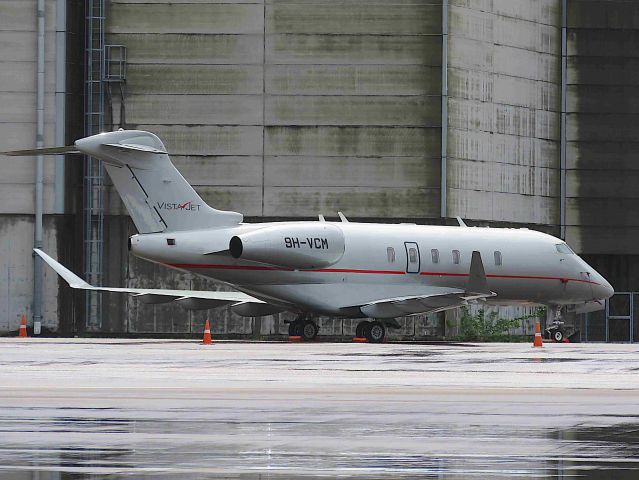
(188,206)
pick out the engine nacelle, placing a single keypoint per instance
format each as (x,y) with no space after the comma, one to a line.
(301,246)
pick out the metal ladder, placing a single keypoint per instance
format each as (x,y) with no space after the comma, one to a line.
(93,168)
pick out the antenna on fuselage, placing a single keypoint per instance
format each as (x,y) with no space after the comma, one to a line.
(342,217)
(321,218)
(461,222)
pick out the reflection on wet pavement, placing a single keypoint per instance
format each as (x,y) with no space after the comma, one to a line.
(273,411)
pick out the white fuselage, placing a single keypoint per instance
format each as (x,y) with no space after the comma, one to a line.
(528,268)
(343,269)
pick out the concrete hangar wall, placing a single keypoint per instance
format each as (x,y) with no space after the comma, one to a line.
(19,129)
(285,109)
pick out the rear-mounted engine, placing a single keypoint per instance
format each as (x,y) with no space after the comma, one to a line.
(295,246)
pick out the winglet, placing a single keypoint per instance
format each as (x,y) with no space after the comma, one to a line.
(477,282)
(71,278)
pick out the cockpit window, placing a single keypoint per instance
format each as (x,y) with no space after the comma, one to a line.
(563,248)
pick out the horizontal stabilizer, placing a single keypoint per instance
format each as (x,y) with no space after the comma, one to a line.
(137,148)
(42,151)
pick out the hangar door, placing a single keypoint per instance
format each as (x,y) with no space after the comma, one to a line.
(617,323)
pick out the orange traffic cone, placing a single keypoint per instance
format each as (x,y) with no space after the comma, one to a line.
(538,342)
(207,333)
(23,326)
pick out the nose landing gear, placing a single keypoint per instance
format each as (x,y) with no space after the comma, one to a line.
(558,331)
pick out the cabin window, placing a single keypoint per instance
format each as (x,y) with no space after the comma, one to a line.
(412,255)
(456,257)
(434,253)
(390,252)
(170,241)
(563,248)
(497,258)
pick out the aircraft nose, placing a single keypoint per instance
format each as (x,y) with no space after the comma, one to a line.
(603,288)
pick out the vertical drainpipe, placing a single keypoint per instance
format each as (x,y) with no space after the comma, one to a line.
(444,140)
(60,101)
(37,241)
(562,133)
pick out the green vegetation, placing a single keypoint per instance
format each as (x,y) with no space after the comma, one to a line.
(489,328)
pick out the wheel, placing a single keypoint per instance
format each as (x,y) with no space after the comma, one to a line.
(376,332)
(308,330)
(558,336)
(361,329)
(294,329)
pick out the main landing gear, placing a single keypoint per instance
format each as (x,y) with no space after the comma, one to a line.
(374,332)
(304,327)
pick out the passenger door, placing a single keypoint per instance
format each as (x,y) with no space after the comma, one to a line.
(412,257)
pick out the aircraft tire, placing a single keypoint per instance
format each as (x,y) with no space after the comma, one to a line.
(558,336)
(376,332)
(360,330)
(308,330)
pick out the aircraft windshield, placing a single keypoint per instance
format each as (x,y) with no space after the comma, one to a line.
(563,248)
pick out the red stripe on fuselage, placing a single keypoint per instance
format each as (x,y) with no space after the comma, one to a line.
(348,270)
(214,266)
(520,277)
(278,269)
(374,272)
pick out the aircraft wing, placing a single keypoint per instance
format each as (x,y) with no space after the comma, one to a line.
(476,289)
(413,305)
(192,299)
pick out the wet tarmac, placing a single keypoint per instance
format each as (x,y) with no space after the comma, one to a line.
(116,409)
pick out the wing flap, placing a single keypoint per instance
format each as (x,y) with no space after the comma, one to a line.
(401,306)
(152,299)
(430,303)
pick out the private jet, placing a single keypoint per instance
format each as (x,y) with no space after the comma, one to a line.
(369,271)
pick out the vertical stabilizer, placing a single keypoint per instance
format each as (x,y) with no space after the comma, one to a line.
(156,195)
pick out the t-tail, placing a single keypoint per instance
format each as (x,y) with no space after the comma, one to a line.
(156,195)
